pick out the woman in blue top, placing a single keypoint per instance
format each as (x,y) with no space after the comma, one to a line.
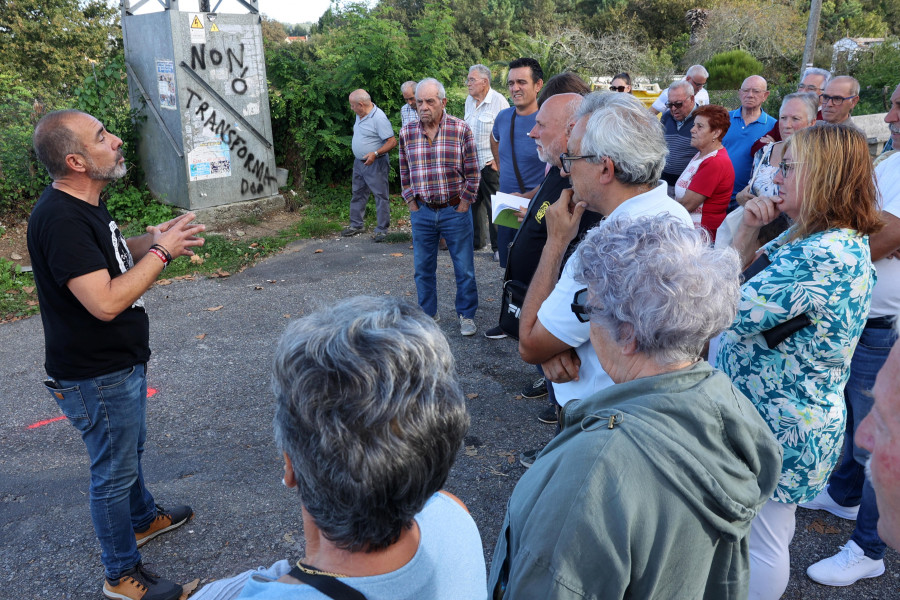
(816,289)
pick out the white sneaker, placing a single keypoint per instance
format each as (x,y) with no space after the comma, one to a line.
(824,502)
(846,567)
(466,326)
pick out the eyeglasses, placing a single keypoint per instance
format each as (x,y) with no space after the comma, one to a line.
(472,80)
(836,100)
(617,88)
(675,104)
(698,86)
(808,88)
(785,167)
(580,308)
(565,159)
(753,91)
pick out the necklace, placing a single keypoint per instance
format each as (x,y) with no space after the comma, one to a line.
(314,571)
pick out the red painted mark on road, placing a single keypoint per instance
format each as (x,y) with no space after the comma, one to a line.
(45,422)
(150,393)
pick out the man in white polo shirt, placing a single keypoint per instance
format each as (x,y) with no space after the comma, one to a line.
(616,153)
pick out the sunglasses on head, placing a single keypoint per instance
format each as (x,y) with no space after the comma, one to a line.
(580,307)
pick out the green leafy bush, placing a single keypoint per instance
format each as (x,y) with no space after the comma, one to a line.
(135,208)
(727,70)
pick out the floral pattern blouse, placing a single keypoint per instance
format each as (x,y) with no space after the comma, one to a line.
(798,386)
(762,181)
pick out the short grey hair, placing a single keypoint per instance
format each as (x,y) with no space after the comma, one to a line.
(360,96)
(620,127)
(370,412)
(854,83)
(809,100)
(819,72)
(684,86)
(432,81)
(54,141)
(482,70)
(658,282)
(697,70)
(408,85)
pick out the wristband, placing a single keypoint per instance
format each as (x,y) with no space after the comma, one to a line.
(164,252)
(160,256)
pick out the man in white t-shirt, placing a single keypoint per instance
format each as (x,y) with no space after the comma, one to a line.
(697,77)
(849,494)
(616,153)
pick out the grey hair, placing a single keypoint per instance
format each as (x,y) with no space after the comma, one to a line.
(697,70)
(408,85)
(683,85)
(370,412)
(54,141)
(809,100)
(854,83)
(481,70)
(658,282)
(432,81)
(620,127)
(819,72)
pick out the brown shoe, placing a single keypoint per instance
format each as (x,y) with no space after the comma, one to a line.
(138,583)
(166,520)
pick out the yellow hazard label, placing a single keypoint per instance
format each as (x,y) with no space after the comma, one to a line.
(196,24)
(213,27)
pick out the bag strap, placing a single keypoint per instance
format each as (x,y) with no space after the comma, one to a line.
(512,147)
(330,586)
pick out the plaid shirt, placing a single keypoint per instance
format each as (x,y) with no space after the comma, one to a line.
(439,170)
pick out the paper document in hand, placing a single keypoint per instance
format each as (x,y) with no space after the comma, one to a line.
(504,207)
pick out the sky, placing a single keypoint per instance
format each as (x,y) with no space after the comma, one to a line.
(286,11)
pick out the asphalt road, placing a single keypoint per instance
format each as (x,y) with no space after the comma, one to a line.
(210,441)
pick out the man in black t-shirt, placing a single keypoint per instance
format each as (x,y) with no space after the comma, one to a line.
(96,335)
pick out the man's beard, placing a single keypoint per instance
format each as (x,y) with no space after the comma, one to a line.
(117,171)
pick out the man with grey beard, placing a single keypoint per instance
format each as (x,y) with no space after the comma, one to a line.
(849,494)
(90,281)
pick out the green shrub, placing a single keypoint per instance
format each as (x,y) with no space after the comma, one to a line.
(135,208)
(727,70)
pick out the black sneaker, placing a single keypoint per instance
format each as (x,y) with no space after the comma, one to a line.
(495,333)
(137,583)
(549,416)
(527,458)
(351,231)
(538,389)
(166,520)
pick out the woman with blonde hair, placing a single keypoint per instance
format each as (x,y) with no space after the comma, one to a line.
(799,319)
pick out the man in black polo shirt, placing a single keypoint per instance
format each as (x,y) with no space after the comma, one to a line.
(677,122)
(96,334)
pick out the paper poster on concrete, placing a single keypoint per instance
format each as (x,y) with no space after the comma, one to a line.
(165,82)
(209,160)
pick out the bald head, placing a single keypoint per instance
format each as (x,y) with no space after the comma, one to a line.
(754,91)
(360,102)
(839,99)
(551,126)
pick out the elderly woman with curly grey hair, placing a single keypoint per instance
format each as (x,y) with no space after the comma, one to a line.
(369,416)
(649,489)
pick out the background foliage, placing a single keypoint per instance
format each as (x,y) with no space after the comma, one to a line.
(67,53)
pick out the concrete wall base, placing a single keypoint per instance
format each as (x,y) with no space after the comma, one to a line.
(217,216)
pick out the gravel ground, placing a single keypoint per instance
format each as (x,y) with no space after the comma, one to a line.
(210,441)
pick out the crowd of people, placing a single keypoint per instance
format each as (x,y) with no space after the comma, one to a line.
(713,325)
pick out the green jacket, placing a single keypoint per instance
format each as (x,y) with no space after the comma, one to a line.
(647,492)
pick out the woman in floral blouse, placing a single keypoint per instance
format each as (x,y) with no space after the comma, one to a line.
(819,281)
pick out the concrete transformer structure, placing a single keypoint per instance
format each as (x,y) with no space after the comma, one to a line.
(199,78)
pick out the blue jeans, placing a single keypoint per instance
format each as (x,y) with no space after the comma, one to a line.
(110,413)
(429,225)
(505,236)
(848,485)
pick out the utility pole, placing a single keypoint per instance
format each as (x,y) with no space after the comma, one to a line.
(812,33)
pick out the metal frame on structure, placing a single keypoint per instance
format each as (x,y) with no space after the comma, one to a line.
(129,8)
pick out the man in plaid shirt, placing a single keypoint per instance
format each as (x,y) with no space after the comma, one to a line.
(439,176)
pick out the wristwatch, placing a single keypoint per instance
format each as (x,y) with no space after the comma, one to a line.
(376,154)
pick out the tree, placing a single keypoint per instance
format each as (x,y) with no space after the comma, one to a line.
(52,44)
(273,32)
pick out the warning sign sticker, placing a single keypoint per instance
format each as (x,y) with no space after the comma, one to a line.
(198,33)
(213,28)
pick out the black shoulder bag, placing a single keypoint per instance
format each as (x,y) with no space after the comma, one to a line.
(330,586)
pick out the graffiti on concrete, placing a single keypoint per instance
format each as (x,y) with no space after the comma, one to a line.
(238,83)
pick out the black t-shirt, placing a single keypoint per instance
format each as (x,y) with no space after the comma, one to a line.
(525,253)
(67,238)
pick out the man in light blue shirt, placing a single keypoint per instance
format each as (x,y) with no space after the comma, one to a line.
(748,123)
(408,110)
(373,138)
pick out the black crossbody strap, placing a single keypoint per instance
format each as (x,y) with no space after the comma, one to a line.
(330,586)
(512,149)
